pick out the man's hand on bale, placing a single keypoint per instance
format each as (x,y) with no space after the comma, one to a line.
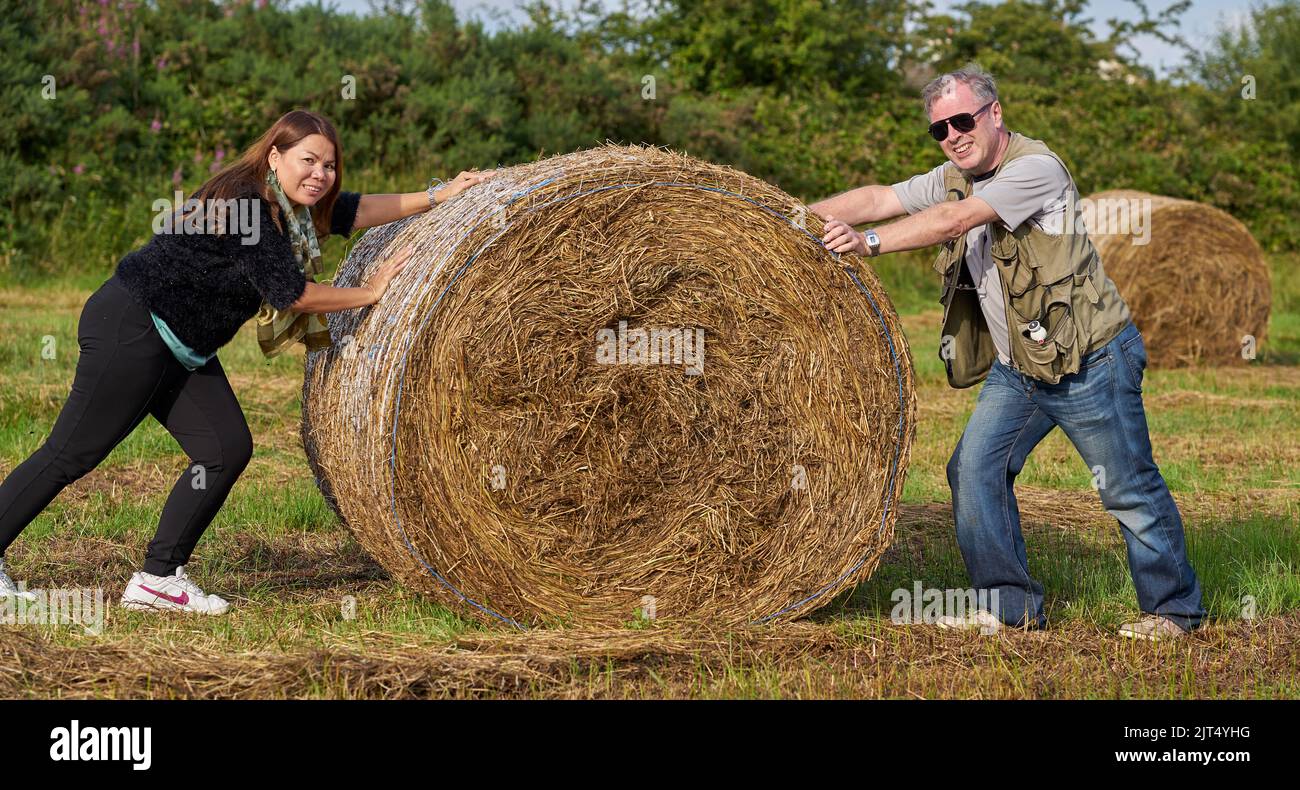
(841,237)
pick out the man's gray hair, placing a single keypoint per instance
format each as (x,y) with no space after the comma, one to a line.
(977,79)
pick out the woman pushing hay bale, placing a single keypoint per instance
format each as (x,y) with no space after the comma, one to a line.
(1193,276)
(616,380)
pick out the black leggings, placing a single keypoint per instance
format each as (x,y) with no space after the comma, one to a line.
(125,372)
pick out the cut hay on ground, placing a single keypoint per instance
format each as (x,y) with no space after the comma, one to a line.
(1197,289)
(466,431)
(1231,658)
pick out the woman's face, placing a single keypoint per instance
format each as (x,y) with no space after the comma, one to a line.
(306,171)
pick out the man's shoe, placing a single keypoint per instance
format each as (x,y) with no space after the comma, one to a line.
(984,620)
(1152,627)
(170,593)
(9,589)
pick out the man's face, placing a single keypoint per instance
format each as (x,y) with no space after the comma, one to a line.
(974,151)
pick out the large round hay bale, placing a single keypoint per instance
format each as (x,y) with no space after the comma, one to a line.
(1195,280)
(476,436)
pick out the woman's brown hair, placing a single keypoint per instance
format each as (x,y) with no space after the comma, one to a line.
(249,171)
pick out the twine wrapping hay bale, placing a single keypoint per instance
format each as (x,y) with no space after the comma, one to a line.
(469,431)
(1197,289)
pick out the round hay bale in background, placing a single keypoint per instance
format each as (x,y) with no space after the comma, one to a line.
(1197,285)
(498,433)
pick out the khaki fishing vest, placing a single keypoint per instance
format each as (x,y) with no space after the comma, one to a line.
(1056,280)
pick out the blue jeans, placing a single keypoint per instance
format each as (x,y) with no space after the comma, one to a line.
(1100,410)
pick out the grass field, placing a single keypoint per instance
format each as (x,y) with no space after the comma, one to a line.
(1227,441)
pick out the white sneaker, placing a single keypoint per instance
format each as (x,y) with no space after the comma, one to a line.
(176,592)
(9,589)
(987,622)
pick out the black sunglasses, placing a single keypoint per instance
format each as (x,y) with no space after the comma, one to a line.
(962,122)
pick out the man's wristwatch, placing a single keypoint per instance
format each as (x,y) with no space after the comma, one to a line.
(873,243)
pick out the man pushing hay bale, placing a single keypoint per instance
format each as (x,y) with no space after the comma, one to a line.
(616,380)
(1193,276)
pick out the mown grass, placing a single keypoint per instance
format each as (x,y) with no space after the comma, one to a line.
(1226,440)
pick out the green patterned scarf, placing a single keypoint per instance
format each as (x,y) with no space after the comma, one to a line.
(277,330)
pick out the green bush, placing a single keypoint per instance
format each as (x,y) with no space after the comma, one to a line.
(816,96)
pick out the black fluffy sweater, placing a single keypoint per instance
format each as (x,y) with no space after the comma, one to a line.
(206,285)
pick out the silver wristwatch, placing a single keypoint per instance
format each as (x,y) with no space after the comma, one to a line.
(873,242)
(434,185)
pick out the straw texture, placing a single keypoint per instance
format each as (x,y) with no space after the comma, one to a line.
(1197,289)
(470,432)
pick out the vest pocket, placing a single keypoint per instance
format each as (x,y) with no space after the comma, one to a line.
(1087,284)
(947,256)
(1048,260)
(1051,309)
(1006,259)
(1058,343)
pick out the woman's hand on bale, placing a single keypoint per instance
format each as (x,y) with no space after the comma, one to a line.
(464,181)
(378,282)
(841,237)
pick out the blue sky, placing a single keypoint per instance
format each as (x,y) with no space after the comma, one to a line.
(1199,21)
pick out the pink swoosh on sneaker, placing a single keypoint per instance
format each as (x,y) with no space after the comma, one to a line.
(181,599)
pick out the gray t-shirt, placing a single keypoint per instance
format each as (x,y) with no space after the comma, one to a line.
(1032,188)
